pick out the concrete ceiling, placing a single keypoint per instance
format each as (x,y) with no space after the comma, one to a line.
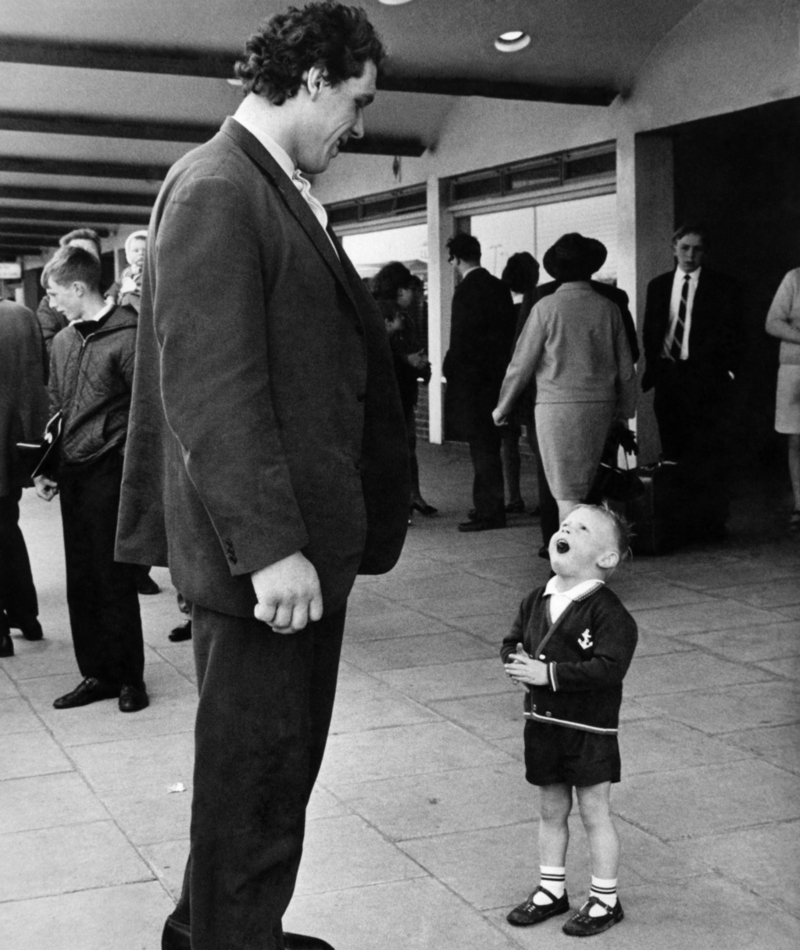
(99,97)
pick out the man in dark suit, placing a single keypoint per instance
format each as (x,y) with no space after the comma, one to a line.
(482,326)
(598,253)
(693,345)
(267,463)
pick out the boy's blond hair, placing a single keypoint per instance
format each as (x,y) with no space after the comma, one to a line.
(620,528)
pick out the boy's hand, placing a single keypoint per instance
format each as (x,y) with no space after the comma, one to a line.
(526,671)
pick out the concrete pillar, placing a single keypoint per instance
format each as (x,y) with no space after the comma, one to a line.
(440,294)
(645,222)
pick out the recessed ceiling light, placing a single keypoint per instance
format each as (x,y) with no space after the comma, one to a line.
(512,41)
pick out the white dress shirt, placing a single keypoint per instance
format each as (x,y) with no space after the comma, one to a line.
(247,116)
(674,305)
(560,600)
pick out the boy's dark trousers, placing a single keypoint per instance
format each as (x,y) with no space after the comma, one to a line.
(101,593)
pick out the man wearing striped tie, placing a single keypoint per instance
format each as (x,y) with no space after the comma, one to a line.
(693,345)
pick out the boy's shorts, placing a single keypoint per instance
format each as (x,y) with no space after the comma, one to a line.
(564,756)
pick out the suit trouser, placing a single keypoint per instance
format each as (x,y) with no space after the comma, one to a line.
(488,490)
(17,592)
(101,593)
(266,701)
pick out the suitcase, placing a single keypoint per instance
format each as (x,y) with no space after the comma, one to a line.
(659,516)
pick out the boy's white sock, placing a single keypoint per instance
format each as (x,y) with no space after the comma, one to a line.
(554,879)
(605,889)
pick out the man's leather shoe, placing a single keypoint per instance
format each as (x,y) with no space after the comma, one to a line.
(133,698)
(176,935)
(6,644)
(182,632)
(482,524)
(146,585)
(303,942)
(32,631)
(91,690)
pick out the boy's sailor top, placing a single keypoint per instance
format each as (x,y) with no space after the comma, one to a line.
(588,648)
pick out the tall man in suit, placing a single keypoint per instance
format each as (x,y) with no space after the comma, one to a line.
(693,345)
(482,325)
(267,463)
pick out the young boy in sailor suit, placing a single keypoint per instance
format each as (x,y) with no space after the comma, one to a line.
(570,647)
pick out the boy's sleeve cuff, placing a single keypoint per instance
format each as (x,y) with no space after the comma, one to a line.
(551,675)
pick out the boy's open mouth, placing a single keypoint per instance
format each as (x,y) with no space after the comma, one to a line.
(562,546)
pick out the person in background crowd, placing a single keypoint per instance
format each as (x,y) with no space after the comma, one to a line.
(574,342)
(549,509)
(783,322)
(268,456)
(91,376)
(521,275)
(694,341)
(393,287)
(23,414)
(481,337)
(130,289)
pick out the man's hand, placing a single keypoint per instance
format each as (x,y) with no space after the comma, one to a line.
(499,419)
(45,487)
(288,594)
(526,671)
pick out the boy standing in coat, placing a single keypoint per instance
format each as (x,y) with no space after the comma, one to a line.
(570,647)
(91,376)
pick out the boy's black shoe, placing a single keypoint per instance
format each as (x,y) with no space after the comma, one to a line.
(528,913)
(583,925)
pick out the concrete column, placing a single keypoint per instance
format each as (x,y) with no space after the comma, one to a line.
(645,222)
(440,293)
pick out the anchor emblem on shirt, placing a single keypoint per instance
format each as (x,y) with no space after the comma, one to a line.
(585,640)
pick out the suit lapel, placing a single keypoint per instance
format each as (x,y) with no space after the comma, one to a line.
(295,203)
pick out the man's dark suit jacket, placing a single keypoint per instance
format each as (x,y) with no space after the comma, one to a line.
(483,321)
(265,416)
(716,335)
(615,295)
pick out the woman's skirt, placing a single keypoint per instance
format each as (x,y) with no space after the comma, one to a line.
(571,437)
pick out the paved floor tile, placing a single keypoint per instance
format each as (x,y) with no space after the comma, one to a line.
(402,751)
(449,680)
(31,753)
(652,745)
(67,858)
(687,672)
(645,593)
(8,688)
(376,709)
(497,716)
(16,715)
(44,801)
(400,622)
(128,916)
(771,641)
(412,915)
(435,803)
(766,593)
(731,708)
(167,861)
(707,615)
(673,805)
(788,666)
(340,853)
(777,744)
(405,652)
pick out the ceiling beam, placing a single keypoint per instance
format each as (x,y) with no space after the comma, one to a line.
(40,229)
(79,196)
(48,240)
(109,127)
(83,169)
(219,64)
(79,217)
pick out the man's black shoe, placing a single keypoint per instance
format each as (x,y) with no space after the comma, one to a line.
(302,942)
(133,698)
(182,632)
(176,935)
(482,524)
(146,585)
(515,507)
(32,631)
(91,690)
(6,644)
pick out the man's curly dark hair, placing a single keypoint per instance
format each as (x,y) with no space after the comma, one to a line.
(338,39)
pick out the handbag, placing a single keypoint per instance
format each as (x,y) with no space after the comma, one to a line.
(41,458)
(611,481)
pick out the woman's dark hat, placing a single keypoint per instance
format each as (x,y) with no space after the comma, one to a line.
(574,257)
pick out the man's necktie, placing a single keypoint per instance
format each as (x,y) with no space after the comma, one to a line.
(680,324)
